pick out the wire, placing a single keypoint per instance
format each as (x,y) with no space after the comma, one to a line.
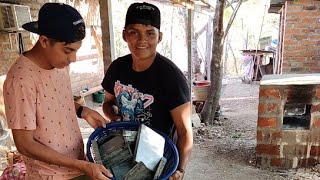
(255,56)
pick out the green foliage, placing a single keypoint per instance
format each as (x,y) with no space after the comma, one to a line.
(227,14)
(236,136)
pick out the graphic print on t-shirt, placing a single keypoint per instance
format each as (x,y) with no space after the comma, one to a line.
(132,104)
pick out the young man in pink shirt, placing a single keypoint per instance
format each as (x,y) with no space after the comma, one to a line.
(39,104)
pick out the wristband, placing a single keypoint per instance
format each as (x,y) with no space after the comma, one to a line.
(79,111)
(181,170)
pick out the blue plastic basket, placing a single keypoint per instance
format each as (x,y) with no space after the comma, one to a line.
(170,150)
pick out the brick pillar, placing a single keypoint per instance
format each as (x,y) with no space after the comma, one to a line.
(279,147)
(268,127)
(301,37)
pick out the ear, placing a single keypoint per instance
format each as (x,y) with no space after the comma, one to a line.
(160,37)
(124,35)
(44,41)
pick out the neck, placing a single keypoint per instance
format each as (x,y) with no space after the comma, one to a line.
(142,64)
(36,55)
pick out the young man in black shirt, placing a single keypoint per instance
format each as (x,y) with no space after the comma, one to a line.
(147,87)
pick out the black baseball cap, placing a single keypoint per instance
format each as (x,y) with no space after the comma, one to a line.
(143,13)
(58,21)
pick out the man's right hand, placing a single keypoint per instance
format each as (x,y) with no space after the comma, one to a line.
(94,171)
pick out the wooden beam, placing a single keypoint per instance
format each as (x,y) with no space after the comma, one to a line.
(97,42)
(107,33)
(275,6)
(186,3)
(189,44)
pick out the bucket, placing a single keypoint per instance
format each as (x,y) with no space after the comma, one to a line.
(201,92)
(170,150)
(98,96)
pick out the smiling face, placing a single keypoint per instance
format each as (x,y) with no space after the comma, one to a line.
(142,40)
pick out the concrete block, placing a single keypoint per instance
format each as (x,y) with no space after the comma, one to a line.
(196,121)
(193,108)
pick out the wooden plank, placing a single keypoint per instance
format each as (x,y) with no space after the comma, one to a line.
(91,90)
(275,6)
(97,42)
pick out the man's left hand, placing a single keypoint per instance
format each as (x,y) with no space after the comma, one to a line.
(176,176)
(93,118)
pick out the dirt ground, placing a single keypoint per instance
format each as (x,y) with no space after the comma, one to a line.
(226,150)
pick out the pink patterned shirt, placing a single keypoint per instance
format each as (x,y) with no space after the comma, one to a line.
(41,100)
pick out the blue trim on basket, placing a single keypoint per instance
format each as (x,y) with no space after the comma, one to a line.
(124,124)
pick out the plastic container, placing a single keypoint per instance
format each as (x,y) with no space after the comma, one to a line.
(170,150)
(202,83)
(98,96)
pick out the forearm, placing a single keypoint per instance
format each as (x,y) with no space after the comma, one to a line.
(109,111)
(76,105)
(184,145)
(28,146)
(36,150)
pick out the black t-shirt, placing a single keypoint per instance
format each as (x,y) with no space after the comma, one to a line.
(147,96)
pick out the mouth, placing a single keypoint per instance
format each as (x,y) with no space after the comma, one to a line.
(141,47)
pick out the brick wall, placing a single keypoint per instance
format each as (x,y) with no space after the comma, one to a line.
(301,37)
(87,72)
(9,51)
(278,147)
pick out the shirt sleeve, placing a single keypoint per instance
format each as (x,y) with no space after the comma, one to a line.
(178,90)
(20,103)
(108,80)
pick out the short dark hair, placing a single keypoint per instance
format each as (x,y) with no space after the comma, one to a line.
(54,41)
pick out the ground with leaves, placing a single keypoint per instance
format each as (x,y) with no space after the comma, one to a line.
(226,150)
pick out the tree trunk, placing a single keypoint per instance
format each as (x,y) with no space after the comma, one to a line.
(210,106)
(225,57)
(212,102)
(208,55)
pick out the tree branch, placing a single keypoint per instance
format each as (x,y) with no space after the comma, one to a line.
(220,21)
(232,18)
(197,34)
(229,4)
(207,3)
(232,2)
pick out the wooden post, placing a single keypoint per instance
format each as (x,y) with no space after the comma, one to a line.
(189,35)
(107,33)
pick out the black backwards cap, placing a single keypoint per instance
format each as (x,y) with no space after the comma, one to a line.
(58,21)
(143,13)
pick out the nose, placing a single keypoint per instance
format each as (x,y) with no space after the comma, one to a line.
(142,37)
(72,57)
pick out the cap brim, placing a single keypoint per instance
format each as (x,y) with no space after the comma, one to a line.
(31,26)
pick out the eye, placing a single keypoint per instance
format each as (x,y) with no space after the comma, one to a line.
(67,51)
(133,33)
(151,33)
